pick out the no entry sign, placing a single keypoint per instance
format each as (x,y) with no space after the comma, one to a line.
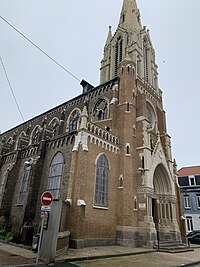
(46,198)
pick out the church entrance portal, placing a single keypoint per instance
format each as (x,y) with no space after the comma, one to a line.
(163,204)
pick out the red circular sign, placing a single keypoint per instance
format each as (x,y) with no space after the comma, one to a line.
(46,198)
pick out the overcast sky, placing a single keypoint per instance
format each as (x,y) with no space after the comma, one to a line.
(74,33)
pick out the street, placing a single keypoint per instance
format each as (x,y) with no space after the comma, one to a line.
(143,260)
(56,264)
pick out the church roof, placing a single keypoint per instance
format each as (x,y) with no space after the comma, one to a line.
(189,170)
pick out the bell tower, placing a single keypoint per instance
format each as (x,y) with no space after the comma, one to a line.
(147,198)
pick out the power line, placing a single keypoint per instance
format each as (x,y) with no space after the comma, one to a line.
(10,86)
(36,46)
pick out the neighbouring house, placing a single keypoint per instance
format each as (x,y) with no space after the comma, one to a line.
(189,183)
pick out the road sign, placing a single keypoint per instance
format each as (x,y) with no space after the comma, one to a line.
(46,198)
(45,208)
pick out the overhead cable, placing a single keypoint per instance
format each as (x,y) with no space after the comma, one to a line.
(36,46)
(10,86)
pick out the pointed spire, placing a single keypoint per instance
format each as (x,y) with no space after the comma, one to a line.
(109,37)
(130,15)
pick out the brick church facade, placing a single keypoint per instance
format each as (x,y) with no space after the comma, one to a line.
(105,155)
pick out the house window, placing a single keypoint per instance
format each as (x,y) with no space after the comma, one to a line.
(183,181)
(198,201)
(101,184)
(192,180)
(187,201)
(189,223)
(55,175)
(74,119)
(197,179)
(25,182)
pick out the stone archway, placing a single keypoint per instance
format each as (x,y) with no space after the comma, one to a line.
(163,204)
(162,193)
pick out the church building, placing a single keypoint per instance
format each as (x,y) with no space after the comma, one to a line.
(105,155)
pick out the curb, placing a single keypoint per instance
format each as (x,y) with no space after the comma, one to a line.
(189,264)
(106,256)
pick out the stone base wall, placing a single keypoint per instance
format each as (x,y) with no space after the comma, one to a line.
(92,242)
(170,236)
(63,240)
(136,237)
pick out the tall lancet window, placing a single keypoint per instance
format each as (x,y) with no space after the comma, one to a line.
(55,175)
(118,53)
(3,180)
(146,65)
(25,182)
(101,183)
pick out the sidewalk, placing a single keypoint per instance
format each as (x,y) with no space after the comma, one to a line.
(11,255)
(26,256)
(100,252)
(15,256)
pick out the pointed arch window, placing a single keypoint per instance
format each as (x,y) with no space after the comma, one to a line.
(101,183)
(73,120)
(3,183)
(55,127)
(146,60)
(25,182)
(100,111)
(118,53)
(35,136)
(150,115)
(55,175)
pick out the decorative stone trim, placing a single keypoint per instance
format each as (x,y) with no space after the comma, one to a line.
(102,133)
(9,158)
(104,144)
(56,143)
(30,152)
(146,190)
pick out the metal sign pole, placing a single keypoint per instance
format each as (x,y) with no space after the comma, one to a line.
(40,240)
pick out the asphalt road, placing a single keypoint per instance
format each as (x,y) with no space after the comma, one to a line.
(143,260)
(57,264)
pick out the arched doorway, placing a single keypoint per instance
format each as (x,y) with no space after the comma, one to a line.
(163,204)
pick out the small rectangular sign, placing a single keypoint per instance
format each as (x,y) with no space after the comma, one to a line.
(45,208)
(142,206)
